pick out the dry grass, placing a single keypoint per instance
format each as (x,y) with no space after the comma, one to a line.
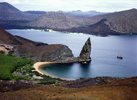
(115,90)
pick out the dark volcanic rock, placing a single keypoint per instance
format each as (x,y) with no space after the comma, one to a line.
(85,52)
(54,52)
(41,51)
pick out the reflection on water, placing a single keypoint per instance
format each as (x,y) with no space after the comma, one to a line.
(104,53)
(76,70)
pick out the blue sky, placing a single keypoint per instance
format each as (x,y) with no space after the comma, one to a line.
(69,5)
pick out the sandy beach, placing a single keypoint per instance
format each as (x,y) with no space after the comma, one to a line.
(38,65)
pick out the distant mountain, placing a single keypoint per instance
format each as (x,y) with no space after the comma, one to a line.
(36,12)
(100,28)
(121,22)
(9,12)
(124,22)
(86,14)
(58,21)
(11,17)
(118,22)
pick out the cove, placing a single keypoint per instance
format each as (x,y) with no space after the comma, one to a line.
(104,54)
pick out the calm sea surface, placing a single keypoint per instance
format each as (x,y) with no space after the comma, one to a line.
(104,54)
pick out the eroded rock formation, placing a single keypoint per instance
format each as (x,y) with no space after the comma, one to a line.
(85,52)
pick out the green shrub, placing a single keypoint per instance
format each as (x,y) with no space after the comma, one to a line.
(8,64)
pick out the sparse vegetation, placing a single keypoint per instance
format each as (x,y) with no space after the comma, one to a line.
(17,68)
(8,64)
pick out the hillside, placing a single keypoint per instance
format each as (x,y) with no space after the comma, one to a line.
(9,12)
(58,21)
(100,28)
(120,22)
(96,89)
(7,38)
(124,22)
(11,17)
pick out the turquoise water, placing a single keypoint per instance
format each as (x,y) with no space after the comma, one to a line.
(104,54)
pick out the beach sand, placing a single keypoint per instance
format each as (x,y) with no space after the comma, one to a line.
(38,65)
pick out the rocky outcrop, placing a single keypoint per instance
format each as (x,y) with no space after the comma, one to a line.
(35,50)
(41,51)
(38,51)
(85,52)
(54,53)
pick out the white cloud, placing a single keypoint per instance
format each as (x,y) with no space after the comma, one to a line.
(85,5)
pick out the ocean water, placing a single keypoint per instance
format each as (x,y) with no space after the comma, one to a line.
(104,54)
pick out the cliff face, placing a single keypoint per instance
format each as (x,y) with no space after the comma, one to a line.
(84,56)
(54,52)
(86,51)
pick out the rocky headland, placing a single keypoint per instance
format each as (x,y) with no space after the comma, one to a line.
(41,51)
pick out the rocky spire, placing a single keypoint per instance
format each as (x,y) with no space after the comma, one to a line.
(85,52)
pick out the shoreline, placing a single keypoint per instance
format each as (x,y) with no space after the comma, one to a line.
(38,65)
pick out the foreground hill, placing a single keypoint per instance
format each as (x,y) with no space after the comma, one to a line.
(124,22)
(96,89)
